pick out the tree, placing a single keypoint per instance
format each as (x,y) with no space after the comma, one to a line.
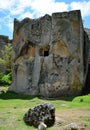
(5,60)
(6,57)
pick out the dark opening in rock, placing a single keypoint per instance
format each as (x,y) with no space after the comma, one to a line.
(46,53)
(44,50)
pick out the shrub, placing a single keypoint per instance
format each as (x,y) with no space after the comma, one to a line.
(5,60)
(5,78)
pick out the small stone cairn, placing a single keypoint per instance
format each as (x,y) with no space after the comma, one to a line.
(41,116)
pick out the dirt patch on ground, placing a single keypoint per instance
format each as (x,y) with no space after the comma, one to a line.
(73,113)
(79,116)
(1,120)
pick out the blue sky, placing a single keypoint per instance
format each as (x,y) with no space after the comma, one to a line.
(10,9)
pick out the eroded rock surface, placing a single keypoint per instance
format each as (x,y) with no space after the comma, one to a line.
(50,55)
(41,116)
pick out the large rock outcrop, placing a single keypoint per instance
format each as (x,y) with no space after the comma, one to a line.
(50,55)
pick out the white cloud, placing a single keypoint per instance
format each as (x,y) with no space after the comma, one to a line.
(48,6)
(6,4)
(14,6)
(10,9)
(26,14)
(83,6)
(7,21)
(20,7)
(16,11)
(41,7)
(25,3)
(36,8)
(10,26)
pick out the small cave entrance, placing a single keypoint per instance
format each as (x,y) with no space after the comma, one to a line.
(46,53)
(44,50)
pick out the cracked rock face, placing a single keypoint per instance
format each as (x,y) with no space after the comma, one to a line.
(41,116)
(50,55)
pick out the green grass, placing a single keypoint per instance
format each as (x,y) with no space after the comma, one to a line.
(14,106)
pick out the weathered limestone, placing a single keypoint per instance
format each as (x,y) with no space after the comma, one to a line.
(41,116)
(86,88)
(49,55)
(42,126)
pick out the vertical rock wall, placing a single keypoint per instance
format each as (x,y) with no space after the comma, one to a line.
(48,55)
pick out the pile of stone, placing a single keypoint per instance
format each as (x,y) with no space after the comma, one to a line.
(40,114)
(72,126)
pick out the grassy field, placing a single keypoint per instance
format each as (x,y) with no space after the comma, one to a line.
(14,106)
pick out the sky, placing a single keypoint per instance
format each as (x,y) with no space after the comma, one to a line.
(20,9)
